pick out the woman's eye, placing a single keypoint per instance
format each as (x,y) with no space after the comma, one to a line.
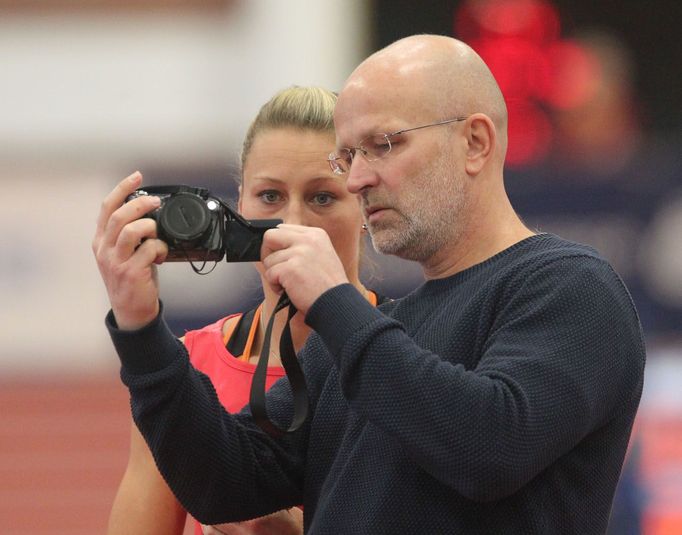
(269,196)
(323,199)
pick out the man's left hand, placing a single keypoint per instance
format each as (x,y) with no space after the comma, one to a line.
(302,261)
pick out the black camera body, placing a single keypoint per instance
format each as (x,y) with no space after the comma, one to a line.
(199,227)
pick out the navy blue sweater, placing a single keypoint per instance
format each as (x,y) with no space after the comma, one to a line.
(498,400)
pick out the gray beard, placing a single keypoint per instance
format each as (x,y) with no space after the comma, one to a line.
(408,240)
(434,221)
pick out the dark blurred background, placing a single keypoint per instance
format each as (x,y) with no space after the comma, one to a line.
(92,90)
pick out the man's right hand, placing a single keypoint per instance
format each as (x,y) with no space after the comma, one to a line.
(127,250)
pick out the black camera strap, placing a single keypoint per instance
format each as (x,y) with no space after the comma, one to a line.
(293,372)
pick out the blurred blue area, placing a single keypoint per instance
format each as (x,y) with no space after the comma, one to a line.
(619,216)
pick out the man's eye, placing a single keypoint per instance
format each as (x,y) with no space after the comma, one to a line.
(377,145)
(269,196)
(347,155)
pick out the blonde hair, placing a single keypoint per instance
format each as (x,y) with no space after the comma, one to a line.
(305,108)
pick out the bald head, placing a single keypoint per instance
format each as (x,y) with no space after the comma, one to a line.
(435,75)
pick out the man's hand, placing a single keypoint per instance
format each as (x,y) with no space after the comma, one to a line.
(126,250)
(302,261)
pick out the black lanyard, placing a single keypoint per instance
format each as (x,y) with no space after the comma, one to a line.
(292,369)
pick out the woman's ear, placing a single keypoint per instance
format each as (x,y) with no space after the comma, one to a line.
(481,140)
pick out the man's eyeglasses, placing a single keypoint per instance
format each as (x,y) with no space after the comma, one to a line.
(373,147)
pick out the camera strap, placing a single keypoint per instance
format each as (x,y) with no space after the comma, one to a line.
(293,372)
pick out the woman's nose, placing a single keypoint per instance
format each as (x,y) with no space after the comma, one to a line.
(295,213)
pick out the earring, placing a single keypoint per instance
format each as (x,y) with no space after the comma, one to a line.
(364,226)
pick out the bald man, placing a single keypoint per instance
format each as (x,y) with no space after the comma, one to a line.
(498,397)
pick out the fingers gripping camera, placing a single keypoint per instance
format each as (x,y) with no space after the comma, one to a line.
(199,227)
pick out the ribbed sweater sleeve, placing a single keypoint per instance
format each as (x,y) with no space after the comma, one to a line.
(176,408)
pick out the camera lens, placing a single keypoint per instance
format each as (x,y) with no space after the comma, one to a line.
(184,217)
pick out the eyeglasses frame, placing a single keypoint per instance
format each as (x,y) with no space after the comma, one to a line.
(333,158)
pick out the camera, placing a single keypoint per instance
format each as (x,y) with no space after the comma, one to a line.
(199,227)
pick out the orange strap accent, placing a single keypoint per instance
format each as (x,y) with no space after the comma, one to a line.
(246,355)
(252,334)
(230,330)
(372,298)
(249,340)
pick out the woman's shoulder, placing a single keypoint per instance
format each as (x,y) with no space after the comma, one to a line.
(218,328)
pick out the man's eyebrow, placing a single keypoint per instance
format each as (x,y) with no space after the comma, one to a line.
(365,134)
(374,129)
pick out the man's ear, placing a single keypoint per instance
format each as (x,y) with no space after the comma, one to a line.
(481,140)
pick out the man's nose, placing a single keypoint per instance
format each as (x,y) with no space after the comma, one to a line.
(361,175)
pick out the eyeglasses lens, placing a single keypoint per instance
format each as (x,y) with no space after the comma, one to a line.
(375,146)
(372,147)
